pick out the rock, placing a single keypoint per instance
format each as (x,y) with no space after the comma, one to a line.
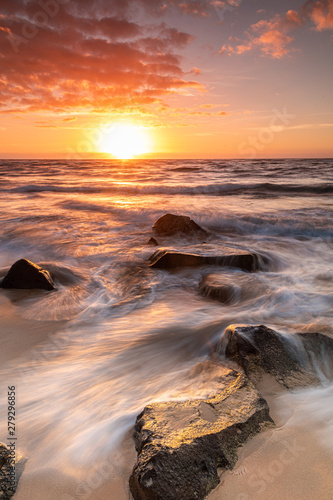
(318,343)
(10,471)
(259,350)
(232,289)
(227,294)
(319,350)
(181,445)
(153,242)
(170,224)
(173,260)
(27,275)
(220,287)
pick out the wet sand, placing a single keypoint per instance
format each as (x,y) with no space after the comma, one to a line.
(288,462)
(19,335)
(20,340)
(107,480)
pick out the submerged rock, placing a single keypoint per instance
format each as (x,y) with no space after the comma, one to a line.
(153,242)
(27,275)
(223,292)
(11,468)
(173,260)
(259,350)
(180,445)
(65,276)
(319,350)
(232,289)
(170,224)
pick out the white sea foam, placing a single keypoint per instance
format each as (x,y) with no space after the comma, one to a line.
(128,334)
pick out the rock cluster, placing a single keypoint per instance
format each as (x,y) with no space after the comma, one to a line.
(181,445)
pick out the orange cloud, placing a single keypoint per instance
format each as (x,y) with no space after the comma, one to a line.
(321,13)
(273,37)
(193,7)
(85,56)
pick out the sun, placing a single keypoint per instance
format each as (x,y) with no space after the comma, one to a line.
(124,141)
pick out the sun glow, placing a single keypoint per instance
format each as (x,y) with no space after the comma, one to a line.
(124,141)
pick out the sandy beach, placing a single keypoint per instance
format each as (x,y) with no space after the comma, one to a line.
(290,461)
(19,335)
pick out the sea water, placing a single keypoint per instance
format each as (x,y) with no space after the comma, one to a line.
(126,334)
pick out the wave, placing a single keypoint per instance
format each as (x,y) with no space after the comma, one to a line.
(186,169)
(202,189)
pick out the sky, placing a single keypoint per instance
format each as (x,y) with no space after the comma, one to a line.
(200,78)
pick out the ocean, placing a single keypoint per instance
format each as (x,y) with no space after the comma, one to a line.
(117,334)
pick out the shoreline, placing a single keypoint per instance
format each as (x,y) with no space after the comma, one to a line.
(18,334)
(108,479)
(262,462)
(289,461)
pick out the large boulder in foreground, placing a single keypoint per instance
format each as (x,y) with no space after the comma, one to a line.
(170,224)
(172,260)
(260,350)
(27,275)
(11,468)
(180,445)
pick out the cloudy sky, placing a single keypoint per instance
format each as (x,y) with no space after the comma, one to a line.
(205,78)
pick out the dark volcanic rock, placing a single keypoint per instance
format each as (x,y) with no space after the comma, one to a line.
(170,224)
(11,468)
(259,350)
(173,260)
(180,445)
(27,275)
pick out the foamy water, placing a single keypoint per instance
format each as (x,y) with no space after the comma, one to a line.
(126,334)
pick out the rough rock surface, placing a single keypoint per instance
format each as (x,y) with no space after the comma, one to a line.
(180,445)
(27,275)
(259,350)
(9,473)
(170,224)
(173,260)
